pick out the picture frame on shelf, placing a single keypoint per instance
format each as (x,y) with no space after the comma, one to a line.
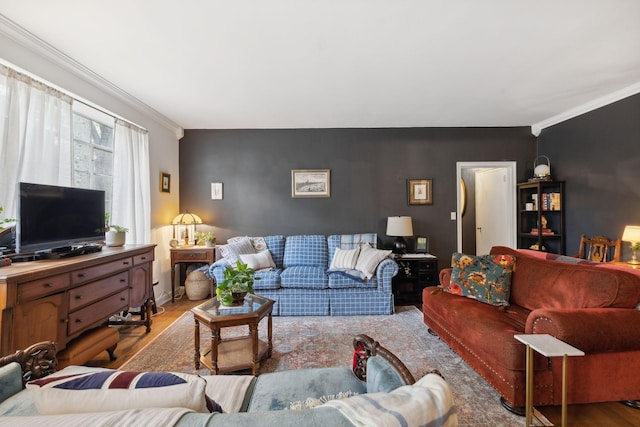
(165,182)
(310,183)
(419,192)
(422,245)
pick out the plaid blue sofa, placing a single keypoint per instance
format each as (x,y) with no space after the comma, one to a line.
(302,286)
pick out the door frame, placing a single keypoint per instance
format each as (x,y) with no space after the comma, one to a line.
(510,167)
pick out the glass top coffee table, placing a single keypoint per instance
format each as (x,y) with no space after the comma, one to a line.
(237,353)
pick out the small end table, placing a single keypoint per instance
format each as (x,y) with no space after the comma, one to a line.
(191,254)
(548,346)
(233,354)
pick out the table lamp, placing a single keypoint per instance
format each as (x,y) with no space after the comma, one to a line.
(631,234)
(400,227)
(187,220)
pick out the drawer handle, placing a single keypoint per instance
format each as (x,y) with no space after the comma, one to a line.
(144,258)
(81,275)
(79,297)
(78,320)
(64,320)
(125,262)
(122,280)
(48,285)
(123,299)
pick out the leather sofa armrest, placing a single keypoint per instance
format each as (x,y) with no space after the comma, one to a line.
(445,277)
(385,272)
(592,330)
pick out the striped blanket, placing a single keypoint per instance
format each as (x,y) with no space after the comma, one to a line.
(427,403)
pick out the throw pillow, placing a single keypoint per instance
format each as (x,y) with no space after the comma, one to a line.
(232,251)
(258,243)
(345,258)
(260,261)
(369,259)
(110,390)
(486,278)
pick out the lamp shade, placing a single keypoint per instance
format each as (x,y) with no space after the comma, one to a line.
(399,226)
(631,233)
(186,218)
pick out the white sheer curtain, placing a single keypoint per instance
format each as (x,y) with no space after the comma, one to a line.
(131,206)
(35,136)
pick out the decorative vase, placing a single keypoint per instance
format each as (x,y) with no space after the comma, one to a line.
(114,238)
(197,286)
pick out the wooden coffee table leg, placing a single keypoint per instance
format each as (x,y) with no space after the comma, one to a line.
(215,339)
(269,343)
(253,332)
(196,340)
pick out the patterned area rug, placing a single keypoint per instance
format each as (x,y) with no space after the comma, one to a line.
(319,341)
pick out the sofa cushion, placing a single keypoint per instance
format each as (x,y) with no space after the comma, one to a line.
(110,390)
(304,277)
(300,384)
(369,259)
(10,380)
(345,258)
(486,278)
(269,279)
(232,251)
(350,241)
(276,247)
(259,261)
(259,244)
(306,250)
(538,283)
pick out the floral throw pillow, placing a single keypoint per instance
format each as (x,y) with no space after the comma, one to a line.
(486,278)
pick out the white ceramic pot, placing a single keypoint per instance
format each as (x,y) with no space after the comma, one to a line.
(114,238)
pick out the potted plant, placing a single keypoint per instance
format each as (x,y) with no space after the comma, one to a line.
(5,220)
(207,239)
(114,235)
(238,281)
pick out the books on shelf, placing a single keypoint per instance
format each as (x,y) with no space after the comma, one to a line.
(551,202)
(545,231)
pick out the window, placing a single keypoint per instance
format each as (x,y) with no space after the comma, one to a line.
(93,151)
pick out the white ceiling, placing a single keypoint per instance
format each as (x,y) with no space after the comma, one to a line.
(208,64)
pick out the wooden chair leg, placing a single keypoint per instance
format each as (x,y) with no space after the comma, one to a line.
(111,350)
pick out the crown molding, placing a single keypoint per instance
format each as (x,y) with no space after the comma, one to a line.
(23,37)
(634,89)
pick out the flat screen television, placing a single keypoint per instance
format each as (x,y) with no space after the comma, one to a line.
(52,217)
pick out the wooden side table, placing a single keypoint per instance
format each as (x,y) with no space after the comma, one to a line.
(192,254)
(548,346)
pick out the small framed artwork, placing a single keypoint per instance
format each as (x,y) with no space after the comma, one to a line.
(310,183)
(165,182)
(419,192)
(216,191)
(422,244)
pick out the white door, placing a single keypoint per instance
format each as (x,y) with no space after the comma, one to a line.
(507,207)
(493,210)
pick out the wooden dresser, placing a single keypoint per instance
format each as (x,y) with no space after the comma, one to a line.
(57,300)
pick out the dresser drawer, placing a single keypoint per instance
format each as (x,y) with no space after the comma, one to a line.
(97,313)
(90,273)
(142,258)
(28,291)
(83,295)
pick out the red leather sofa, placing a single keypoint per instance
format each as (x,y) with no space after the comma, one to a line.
(593,308)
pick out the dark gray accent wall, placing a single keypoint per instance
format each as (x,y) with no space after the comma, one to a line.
(598,155)
(369,170)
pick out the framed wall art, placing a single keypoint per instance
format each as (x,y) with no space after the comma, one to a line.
(310,183)
(165,182)
(419,192)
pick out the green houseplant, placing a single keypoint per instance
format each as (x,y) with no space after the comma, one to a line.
(205,239)
(5,220)
(238,281)
(114,235)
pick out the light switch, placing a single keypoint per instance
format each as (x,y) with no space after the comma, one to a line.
(453,216)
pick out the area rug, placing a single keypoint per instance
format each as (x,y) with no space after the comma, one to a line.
(320,341)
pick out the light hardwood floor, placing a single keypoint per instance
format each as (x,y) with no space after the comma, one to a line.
(133,339)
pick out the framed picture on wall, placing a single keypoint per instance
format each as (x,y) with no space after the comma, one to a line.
(419,192)
(310,183)
(165,182)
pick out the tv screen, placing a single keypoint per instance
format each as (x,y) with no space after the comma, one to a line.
(51,217)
